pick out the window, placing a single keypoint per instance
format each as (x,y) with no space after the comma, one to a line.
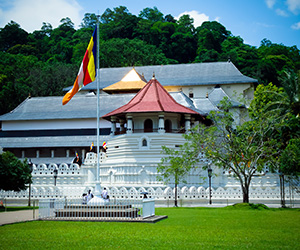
(144,143)
(148,126)
(191,95)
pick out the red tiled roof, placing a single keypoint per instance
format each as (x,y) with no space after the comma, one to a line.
(152,98)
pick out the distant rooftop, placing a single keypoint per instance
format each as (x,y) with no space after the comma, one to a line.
(212,73)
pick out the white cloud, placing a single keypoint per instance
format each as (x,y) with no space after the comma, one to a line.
(270,3)
(199,18)
(293,6)
(296,26)
(30,14)
(281,12)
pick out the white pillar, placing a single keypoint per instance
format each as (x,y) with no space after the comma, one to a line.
(52,153)
(129,124)
(187,122)
(83,154)
(113,125)
(23,153)
(161,123)
(68,153)
(38,154)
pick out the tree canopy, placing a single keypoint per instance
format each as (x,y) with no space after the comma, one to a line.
(14,174)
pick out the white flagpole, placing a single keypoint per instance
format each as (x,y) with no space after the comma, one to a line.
(98,188)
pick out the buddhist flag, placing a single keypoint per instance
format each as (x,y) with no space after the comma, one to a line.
(91,147)
(87,71)
(104,145)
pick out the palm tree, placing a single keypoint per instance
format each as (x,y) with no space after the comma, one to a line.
(285,108)
(288,101)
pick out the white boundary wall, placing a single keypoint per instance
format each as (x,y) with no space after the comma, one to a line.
(73,181)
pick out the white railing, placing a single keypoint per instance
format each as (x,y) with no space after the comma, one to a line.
(76,209)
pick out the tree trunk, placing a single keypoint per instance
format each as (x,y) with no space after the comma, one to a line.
(176,195)
(245,189)
(282,191)
(245,183)
(245,197)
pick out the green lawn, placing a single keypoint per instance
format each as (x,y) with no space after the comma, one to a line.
(186,228)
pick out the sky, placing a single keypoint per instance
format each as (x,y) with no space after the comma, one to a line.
(252,20)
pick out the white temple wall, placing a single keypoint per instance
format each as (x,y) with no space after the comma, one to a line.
(53,124)
(200,91)
(72,183)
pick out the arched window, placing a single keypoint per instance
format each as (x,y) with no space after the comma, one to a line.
(148,126)
(168,126)
(144,143)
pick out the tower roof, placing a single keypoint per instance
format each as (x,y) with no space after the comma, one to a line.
(152,98)
(131,82)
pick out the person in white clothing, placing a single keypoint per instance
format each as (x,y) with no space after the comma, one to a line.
(89,196)
(104,194)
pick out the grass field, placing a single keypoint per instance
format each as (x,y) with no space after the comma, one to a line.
(185,228)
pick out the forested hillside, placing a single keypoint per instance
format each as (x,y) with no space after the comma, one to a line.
(42,63)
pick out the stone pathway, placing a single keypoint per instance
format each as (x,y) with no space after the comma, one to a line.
(18,216)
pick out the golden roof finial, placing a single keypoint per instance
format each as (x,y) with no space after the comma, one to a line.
(153,77)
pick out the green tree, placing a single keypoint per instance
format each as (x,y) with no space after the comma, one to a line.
(14,174)
(125,52)
(241,149)
(11,35)
(151,14)
(210,36)
(89,21)
(290,158)
(275,58)
(56,76)
(244,56)
(15,83)
(61,42)
(183,43)
(282,106)
(119,23)
(263,97)
(40,40)
(174,167)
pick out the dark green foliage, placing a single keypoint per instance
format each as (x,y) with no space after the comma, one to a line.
(125,52)
(11,35)
(290,158)
(89,21)
(14,174)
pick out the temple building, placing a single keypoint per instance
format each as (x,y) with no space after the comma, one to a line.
(141,109)
(45,131)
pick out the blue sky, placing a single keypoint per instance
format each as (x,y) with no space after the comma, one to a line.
(253,20)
